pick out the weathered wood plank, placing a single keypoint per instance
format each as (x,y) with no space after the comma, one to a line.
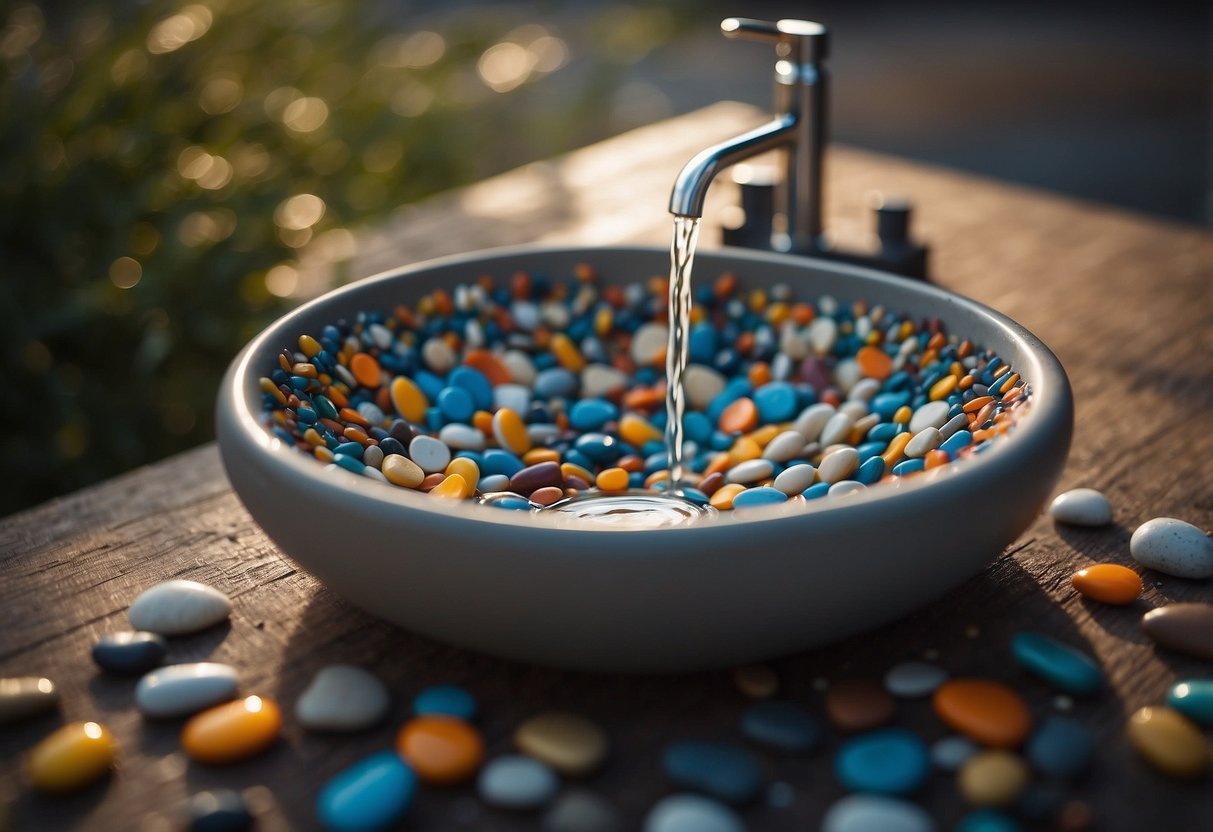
(1124,301)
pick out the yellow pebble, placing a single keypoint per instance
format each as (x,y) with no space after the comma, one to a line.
(268,386)
(993,778)
(467,469)
(1009,383)
(408,399)
(536,455)
(1169,741)
(566,353)
(453,487)
(312,438)
(656,477)
(510,431)
(233,731)
(569,469)
(896,449)
(722,500)
(70,758)
(903,415)
(743,449)
(777,313)
(400,470)
(612,479)
(636,431)
(323,454)
(942,388)
(604,319)
(309,346)
(765,434)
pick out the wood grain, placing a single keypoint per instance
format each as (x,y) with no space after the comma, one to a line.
(1125,302)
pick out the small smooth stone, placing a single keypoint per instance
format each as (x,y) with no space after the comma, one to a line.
(184,689)
(430,454)
(702,384)
(993,778)
(71,758)
(445,700)
(812,420)
(950,753)
(342,697)
(1108,583)
(177,608)
(838,465)
(890,761)
(494,482)
(373,794)
(795,479)
(442,750)
(547,496)
(1060,747)
(757,681)
(1173,547)
(837,429)
(571,744)
(1058,664)
(987,820)
(457,436)
(26,696)
(581,810)
(858,705)
(925,440)
(781,725)
(1169,741)
(130,653)
(516,782)
(723,771)
(232,732)
(875,813)
(599,380)
(648,342)
(1194,699)
(930,415)
(438,356)
(822,333)
(372,457)
(913,680)
(987,711)
(400,470)
(761,496)
(750,471)
(691,813)
(1186,628)
(222,810)
(784,447)
(534,477)
(1081,507)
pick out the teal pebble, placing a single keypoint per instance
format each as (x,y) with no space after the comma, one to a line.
(723,771)
(761,496)
(987,820)
(875,813)
(1058,664)
(130,653)
(691,813)
(446,700)
(783,726)
(1060,747)
(222,810)
(1194,699)
(370,795)
(889,761)
(592,414)
(456,404)
(950,753)
(776,402)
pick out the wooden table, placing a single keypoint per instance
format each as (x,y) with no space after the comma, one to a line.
(1125,301)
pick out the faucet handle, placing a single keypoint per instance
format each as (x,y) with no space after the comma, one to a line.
(805,37)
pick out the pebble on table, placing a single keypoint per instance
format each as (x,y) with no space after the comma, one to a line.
(1173,547)
(984,710)
(184,689)
(71,758)
(373,793)
(516,782)
(26,696)
(1169,741)
(179,607)
(858,705)
(342,697)
(232,732)
(691,813)
(1081,507)
(130,653)
(571,744)
(441,750)
(1108,583)
(1185,627)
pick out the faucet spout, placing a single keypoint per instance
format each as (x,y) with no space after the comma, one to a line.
(691,186)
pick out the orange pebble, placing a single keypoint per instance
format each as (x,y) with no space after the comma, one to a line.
(452,487)
(759,373)
(644,398)
(1109,583)
(936,458)
(983,710)
(722,500)
(482,420)
(353,417)
(612,479)
(366,369)
(874,362)
(977,404)
(233,731)
(896,450)
(740,416)
(489,364)
(441,749)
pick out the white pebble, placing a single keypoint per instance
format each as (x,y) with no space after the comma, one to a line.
(837,429)
(793,342)
(930,415)
(555,314)
(842,489)
(430,454)
(847,374)
(876,813)
(516,782)
(184,689)
(838,464)
(796,479)
(925,440)
(823,332)
(864,390)
(494,482)
(525,314)
(438,356)
(543,433)
(957,422)
(177,608)
(381,336)
(856,410)
(342,697)
(702,384)
(750,471)
(597,380)
(1081,507)
(785,446)
(1173,547)
(691,813)
(648,342)
(517,397)
(373,474)
(460,437)
(522,369)
(812,420)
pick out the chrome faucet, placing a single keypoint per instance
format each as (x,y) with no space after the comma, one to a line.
(794,223)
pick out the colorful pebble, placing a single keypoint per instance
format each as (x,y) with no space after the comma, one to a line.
(232,732)
(1194,699)
(1186,628)
(516,782)
(914,680)
(570,744)
(993,778)
(26,696)
(722,771)
(691,813)
(1169,741)
(130,653)
(952,752)
(445,700)
(1081,507)
(371,795)
(1060,747)
(1173,547)
(179,607)
(342,697)
(780,725)
(989,712)
(890,761)
(222,810)
(876,813)
(1058,664)
(858,705)
(987,820)
(1108,583)
(71,758)
(184,689)
(442,750)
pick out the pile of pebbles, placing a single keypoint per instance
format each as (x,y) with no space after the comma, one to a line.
(1006,762)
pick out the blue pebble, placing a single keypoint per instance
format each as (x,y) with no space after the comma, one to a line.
(701,344)
(370,795)
(656,462)
(221,810)
(870,449)
(784,726)
(392,446)
(653,446)
(1194,699)
(306,415)
(600,447)
(555,382)
(130,653)
(349,463)
(908,466)
(636,480)
(695,496)
(870,471)
(956,441)
(447,700)
(475,383)
(512,503)
(987,820)
(456,404)
(886,404)
(1060,747)
(890,761)
(776,402)
(722,771)
(434,419)
(720,441)
(497,461)
(429,383)
(578,458)
(761,496)
(697,427)
(1058,664)
(592,414)
(815,491)
(353,449)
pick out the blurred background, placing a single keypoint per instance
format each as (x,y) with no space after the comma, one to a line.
(166,166)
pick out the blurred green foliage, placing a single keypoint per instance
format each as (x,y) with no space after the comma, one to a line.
(163,164)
